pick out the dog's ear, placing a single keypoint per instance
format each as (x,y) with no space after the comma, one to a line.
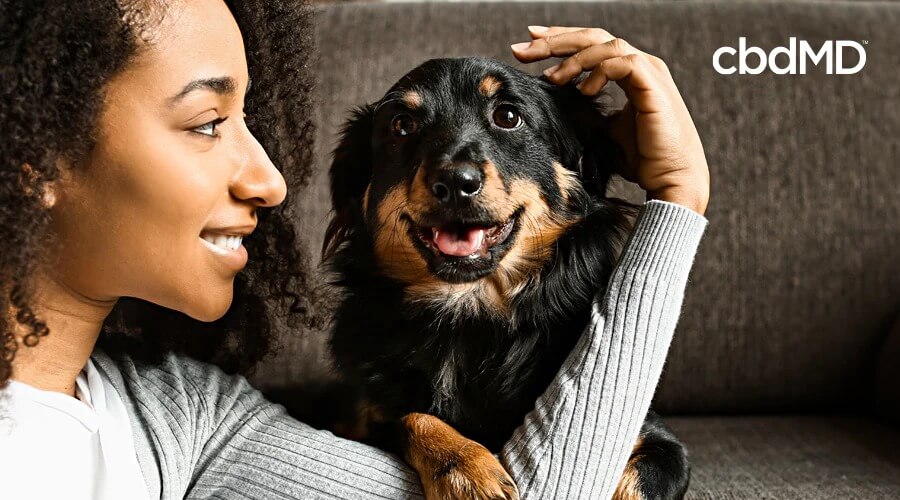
(350,173)
(593,153)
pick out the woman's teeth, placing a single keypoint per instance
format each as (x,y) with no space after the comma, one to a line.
(224,242)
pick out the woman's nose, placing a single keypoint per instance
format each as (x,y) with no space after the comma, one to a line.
(258,181)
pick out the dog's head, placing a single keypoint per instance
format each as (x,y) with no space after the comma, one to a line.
(462,178)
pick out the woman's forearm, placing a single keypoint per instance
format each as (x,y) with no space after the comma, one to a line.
(576,441)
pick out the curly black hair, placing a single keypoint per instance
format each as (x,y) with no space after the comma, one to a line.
(55,58)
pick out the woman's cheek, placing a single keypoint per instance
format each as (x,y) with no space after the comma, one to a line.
(159,198)
(194,281)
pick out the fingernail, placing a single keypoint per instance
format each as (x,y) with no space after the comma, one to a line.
(552,69)
(580,85)
(520,46)
(537,28)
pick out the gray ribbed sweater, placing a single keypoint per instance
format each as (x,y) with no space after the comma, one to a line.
(202,434)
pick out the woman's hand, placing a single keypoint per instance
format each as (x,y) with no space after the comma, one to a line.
(663,151)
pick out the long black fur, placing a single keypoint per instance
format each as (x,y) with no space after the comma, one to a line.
(480,373)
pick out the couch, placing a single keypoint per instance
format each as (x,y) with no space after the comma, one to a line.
(782,377)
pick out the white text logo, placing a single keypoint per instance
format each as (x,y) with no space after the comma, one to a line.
(753,60)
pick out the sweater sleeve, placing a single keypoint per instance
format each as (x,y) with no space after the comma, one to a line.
(576,441)
(202,434)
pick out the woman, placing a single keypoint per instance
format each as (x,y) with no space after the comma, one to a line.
(132,193)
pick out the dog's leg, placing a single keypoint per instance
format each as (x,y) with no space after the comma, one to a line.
(658,468)
(450,465)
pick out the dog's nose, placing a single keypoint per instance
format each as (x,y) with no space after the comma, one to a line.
(457,183)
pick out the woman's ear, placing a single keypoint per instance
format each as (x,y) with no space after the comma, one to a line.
(350,173)
(594,153)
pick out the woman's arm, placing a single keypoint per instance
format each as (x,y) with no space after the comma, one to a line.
(576,441)
(203,434)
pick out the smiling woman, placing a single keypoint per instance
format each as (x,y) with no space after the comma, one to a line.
(148,252)
(131,221)
(156,163)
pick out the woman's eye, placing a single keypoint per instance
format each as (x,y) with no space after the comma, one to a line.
(404,125)
(506,116)
(209,129)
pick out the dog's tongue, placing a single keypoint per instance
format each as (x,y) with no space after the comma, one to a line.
(458,244)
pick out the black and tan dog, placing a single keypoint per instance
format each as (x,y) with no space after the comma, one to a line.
(471,233)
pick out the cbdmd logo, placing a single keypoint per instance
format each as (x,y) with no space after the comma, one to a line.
(728,60)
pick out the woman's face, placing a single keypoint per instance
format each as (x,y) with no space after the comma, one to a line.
(157,208)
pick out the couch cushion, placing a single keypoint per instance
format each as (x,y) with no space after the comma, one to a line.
(790,457)
(797,277)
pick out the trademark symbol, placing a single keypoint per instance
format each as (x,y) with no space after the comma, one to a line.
(865,42)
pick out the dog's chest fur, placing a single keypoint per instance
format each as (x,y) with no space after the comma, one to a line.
(480,376)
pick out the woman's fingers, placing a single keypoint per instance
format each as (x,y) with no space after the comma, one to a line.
(559,43)
(588,59)
(605,56)
(543,31)
(644,77)
(631,70)
(644,84)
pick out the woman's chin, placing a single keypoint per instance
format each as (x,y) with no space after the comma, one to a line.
(213,308)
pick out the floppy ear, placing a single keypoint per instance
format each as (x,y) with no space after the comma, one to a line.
(598,154)
(350,173)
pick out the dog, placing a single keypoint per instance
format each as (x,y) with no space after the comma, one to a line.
(470,234)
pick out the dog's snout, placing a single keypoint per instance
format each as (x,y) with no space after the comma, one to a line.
(456,184)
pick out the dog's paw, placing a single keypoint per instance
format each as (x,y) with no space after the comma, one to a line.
(472,473)
(452,466)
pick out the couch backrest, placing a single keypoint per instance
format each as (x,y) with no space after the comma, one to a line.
(797,279)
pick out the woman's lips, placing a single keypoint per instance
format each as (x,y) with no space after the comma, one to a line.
(227,248)
(222,241)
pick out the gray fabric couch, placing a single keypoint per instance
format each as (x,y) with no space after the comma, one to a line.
(786,327)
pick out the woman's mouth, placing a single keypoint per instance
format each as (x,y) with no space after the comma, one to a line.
(227,248)
(222,242)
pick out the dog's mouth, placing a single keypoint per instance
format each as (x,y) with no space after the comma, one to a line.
(464,251)
(464,240)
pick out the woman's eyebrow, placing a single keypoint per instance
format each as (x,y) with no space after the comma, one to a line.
(222,85)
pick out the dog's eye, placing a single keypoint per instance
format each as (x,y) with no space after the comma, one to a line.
(403,125)
(506,116)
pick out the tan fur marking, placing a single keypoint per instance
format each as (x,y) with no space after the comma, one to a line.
(452,466)
(566,179)
(365,200)
(535,243)
(412,99)
(394,250)
(489,86)
(420,198)
(629,485)
(493,193)
(481,296)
